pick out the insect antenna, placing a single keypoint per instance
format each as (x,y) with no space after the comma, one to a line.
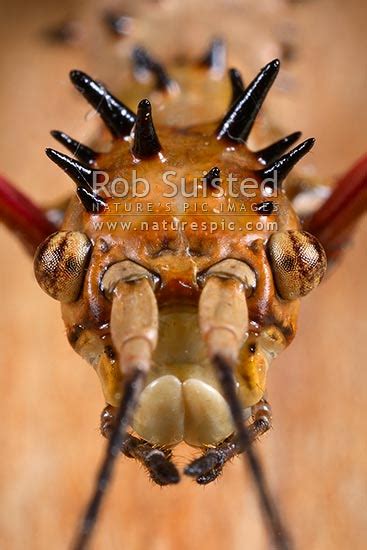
(223,319)
(278,532)
(134,331)
(132,388)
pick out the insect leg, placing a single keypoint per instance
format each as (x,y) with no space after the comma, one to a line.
(223,321)
(334,222)
(23,217)
(156,460)
(209,466)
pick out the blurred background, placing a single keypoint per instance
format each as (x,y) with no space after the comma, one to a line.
(316,455)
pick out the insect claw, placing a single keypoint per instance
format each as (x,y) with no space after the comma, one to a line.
(272,152)
(237,123)
(156,461)
(206,468)
(118,118)
(146,142)
(237,84)
(80,151)
(279,170)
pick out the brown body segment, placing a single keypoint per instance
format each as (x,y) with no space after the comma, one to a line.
(180,237)
(176,200)
(198,257)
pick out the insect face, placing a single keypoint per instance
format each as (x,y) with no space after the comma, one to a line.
(180,317)
(204,292)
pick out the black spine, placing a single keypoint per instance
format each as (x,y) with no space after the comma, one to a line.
(279,170)
(83,177)
(215,58)
(146,142)
(240,118)
(265,208)
(118,118)
(273,151)
(143,61)
(212,177)
(237,85)
(80,151)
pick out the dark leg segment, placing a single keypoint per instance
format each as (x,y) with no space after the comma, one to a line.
(210,465)
(157,461)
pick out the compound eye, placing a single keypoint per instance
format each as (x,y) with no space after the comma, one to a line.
(60,263)
(298,263)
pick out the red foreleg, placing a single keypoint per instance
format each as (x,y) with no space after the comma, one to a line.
(334,222)
(23,217)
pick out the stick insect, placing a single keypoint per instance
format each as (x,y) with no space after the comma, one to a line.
(145,145)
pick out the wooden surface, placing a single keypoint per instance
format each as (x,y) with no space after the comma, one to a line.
(316,456)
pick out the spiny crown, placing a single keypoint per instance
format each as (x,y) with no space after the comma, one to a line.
(139,130)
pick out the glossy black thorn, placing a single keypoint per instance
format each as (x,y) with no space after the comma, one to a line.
(278,171)
(212,178)
(82,176)
(146,142)
(265,208)
(273,151)
(143,61)
(92,203)
(118,24)
(215,58)
(237,84)
(115,114)
(240,118)
(80,151)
